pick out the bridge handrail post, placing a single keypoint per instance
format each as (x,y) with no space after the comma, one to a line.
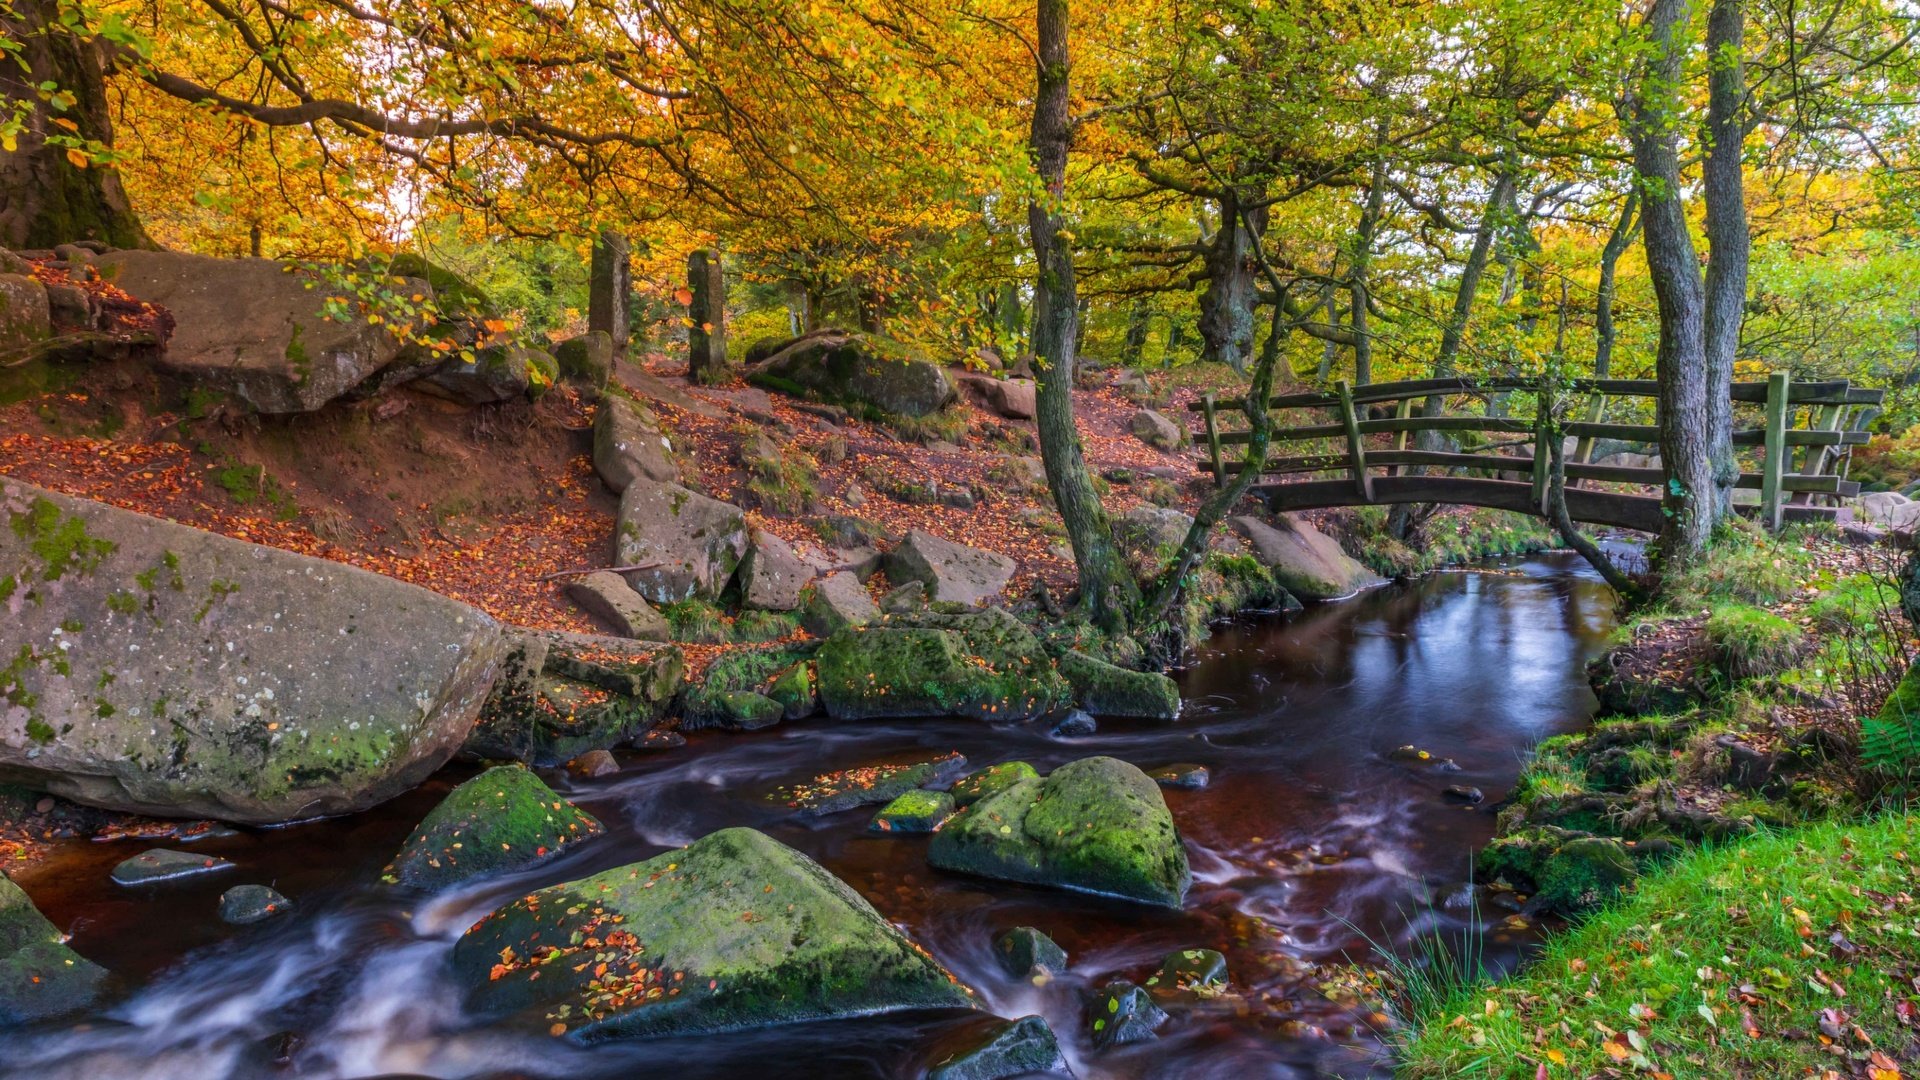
(1542,457)
(1773,451)
(1213,442)
(1356,449)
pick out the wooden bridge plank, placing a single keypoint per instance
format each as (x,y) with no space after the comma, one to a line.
(1821,483)
(1827,392)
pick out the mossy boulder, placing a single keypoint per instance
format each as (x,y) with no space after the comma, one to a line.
(766,672)
(985,665)
(794,690)
(40,977)
(1006,1048)
(914,812)
(503,819)
(991,780)
(748,711)
(854,370)
(155,668)
(867,785)
(1568,872)
(586,359)
(563,695)
(1105,690)
(1096,825)
(734,931)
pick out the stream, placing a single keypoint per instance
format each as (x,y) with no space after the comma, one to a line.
(1310,843)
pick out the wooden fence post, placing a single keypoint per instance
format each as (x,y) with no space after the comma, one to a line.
(1773,453)
(1356,450)
(1401,412)
(1542,456)
(1213,442)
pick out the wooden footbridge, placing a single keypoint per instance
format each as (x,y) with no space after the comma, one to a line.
(1800,452)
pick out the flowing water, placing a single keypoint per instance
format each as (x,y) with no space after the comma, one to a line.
(1310,842)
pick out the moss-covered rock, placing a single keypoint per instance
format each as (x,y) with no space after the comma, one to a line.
(40,977)
(1024,948)
(745,710)
(867,785)
(1567,872)
(735,931)
(985,665)
(1096,825)
(503,819)
(1005,1049)
(914,812)
(707,705)
(1105,690)
(1189,971)
(566,694)
(991,780)
(794,690)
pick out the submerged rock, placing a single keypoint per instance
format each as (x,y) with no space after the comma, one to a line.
(914,812)
(986,665)
(40,977)
(159,669)
(1182,775)
(1122,1013)
(1096,825)
(503,819)
(1189,970)
(868,785)
(164,864)
(243,905)
(1023,948)
(734,931)
(1009,1048)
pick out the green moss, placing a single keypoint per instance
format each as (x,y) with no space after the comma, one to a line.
(794,690)
(39,730)
(756,627)
(914,812)
(984,665)
(991,780)
(697,622)
(753,670)
(1106,690)
(503,819)
(59,541)
(1749,642)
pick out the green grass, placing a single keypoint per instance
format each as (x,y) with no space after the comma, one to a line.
(1749,642)
(1719,965)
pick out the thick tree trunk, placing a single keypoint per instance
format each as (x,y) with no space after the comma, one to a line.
(1686,413)
(1108,593)
(1361,259)
(45,199)
(1617,242)
(1728,241)
(1226,307)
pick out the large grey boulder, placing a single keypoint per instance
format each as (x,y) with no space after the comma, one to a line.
(40,977)
(953,573)
(734,931)
(1881,507)
(1305,561)
(156,668)
(851,369)
(254,328)
(1015,399)
(692,542)
(1156,429)
(628,445)
(835,603)
(607,597)
(26,320)
(495,374)
(772,576)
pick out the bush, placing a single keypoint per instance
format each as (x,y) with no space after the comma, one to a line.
(1750,642)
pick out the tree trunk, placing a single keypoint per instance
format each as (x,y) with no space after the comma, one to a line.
(1226,307)
(45,199)
(1137,318)
(1686,415)
(1362,258)
(1617,242)
(1108,593)
(1728,241)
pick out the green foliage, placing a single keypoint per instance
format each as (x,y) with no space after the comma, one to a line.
(1743,565)
(697,622)
(753,627)
(1890,741)
(1716,965)
(1749,642)
(749,328)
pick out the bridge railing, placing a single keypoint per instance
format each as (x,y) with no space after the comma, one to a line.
(1814,422)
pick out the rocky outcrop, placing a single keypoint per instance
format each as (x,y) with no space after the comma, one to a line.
(254,328)
(562,695)
(40,977)
(985,665)
(867,785)
(850,369)
(772,577)
(156,668)
(734,931)
(503,819)
(1014,399)
(26,319)
(607,597)
(953,573)
(1303,560)
(1096,825)
(836,602)
(586,360)
(1006,1048)
(495,374)
(687,544)
(628,445)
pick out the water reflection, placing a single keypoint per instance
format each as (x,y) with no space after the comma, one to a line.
(1309,829)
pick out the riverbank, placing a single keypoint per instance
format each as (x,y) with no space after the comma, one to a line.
(1710,820)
